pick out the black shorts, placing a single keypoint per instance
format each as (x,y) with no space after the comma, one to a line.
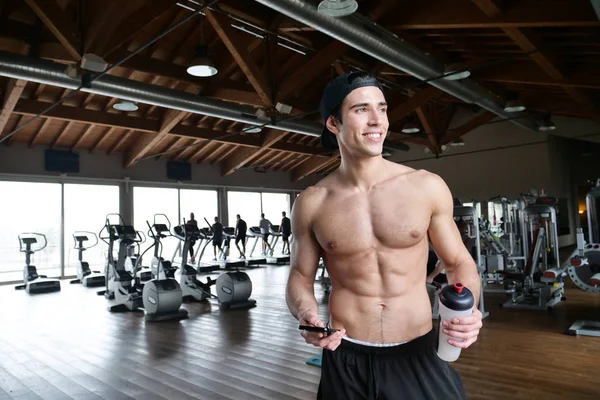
(240,237)
(265,236)
(217,240)
(410,371)
(285,236)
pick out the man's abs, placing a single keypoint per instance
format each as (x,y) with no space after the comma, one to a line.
(382,307)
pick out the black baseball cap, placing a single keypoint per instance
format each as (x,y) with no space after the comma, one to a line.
(334,94)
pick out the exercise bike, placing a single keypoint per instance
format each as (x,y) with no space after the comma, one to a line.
(122,290)
(192,288)
(85,275)
(34,283)
(162,295)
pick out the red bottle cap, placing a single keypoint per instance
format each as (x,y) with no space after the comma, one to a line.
(458,287)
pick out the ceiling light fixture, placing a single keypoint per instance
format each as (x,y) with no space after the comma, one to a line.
(125,105)
(514,106)
(545,123)
(253,129)
(456,72)
(338,8)
(411,127)
(201,65)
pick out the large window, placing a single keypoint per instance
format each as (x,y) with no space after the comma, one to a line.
(203,203)
(29,207)
(247,204)
(86,208)
(273,204)
(147,202)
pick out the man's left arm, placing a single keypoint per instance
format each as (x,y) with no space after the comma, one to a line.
(460,266)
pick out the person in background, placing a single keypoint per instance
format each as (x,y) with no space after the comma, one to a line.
(286,230)
(217,229)
(240,235)
(264,225)
(192,224)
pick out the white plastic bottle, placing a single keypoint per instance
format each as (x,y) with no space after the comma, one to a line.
(455,301)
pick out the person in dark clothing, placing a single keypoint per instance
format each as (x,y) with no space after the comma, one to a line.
(240,235)
(286,230)
(217,229)
(192,224)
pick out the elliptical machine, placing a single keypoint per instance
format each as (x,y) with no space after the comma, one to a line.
(34,283)
(192,288)
(85,275)
(162,295)
(121,290)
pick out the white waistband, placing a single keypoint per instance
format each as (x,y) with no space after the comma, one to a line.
(373,344)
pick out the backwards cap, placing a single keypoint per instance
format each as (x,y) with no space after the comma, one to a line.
(334,94)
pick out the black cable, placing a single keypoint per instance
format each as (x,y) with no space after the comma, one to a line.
(93,78)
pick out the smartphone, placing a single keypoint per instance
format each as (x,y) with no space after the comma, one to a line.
(326,330)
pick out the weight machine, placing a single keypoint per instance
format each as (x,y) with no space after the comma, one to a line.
(540,285)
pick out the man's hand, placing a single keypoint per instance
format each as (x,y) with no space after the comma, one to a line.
(319,339)
(465,328)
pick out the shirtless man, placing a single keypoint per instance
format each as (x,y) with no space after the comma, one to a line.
(371,221)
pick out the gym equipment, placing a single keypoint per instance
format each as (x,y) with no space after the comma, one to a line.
(254,233)
(234,290)
(584,270)
(224,263)
(162,295)
(272,258)
(540,285)
(592,201)
(206,235)
(324,278)
(191,287)
(143,273)
(467,223)
(121,290)
(85,275)
(34,283)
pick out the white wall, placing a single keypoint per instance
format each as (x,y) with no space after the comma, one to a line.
(504,159)
(19,159)
(497,159)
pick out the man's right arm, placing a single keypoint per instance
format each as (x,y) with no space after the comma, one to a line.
(304,258)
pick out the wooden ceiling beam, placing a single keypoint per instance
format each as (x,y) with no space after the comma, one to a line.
(529,43)
(59,24)
(149,126)
(428,125)
(12,93)
(523,14)
(309,166)
(474,123)
(243,156)
(241,55)
(312,69)
(417,100)
(134,24)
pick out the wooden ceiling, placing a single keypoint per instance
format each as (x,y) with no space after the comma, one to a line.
(546,53)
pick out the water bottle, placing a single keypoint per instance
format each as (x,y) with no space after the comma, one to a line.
(455,301)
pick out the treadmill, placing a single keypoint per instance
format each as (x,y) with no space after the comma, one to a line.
(254,233)
(276,258)
(205,236)
(224,263)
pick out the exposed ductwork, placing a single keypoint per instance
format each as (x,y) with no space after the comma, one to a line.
(363,35)
(18,66)
(50,73)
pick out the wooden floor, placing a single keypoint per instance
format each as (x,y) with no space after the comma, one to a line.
(66,345)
